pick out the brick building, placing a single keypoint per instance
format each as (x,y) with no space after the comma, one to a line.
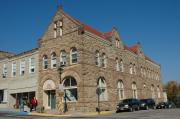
(91,60)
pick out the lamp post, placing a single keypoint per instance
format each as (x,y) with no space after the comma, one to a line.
(98,92)
(60,105)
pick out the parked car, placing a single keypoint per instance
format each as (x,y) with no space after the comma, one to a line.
(170,105)
(161,105)
(128,105)
(147,103)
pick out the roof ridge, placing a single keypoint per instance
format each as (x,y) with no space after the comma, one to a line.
(104,35)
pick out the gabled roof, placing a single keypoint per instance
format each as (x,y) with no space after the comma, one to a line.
(106,35)
(133,49)
(88,28)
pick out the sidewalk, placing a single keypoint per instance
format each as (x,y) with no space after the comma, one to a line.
(73,114)
(12,111)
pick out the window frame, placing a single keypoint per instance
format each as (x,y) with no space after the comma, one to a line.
(75,52)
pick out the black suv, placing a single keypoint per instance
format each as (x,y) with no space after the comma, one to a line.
(128,105)
(147,103)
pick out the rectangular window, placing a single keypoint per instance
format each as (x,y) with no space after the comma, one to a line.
(31,65)
(4,75)
(22,67)
(74,58)
(117,65)
(61,28)
(55,29)
(121,66)
(13,69)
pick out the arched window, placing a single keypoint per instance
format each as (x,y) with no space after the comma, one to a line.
(144,86)
(117,64)
(141,71)
(63,57)
(45,62)
(70,89)
(97,58)
(53,60)
(102,86)
(144,72)
(121,66)
(134,69)
(120,90)
(73,56)
(134,89)
(158,92)
(117,43)
(104,60)
(131,68)
(152,91)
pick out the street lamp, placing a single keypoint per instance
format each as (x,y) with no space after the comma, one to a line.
(62,92)
(98,92)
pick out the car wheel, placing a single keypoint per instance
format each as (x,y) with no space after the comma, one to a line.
(131,109)
(138,108)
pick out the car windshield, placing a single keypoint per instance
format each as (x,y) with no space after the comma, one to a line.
(126,101)
(143,100)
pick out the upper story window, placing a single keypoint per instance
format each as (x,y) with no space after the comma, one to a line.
(131,68)
(141,71)
(148,73)
(144,72)
(121,66)
(117,64)
(73,56)
(117,43)
(158,92)
(58,28)
(97,58)
(134,69)
(22,67)
(63,57)
(45,62)
(4,73)
(31,65)
(13,69)
(53,60)
(104,60)
(153,91)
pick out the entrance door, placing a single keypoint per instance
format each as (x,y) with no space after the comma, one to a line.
(53,100)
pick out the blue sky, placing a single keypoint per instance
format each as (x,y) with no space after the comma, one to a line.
(154,23)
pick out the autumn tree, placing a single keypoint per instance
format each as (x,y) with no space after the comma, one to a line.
(173,91)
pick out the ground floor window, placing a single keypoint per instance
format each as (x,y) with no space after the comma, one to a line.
(134,89)
(101,84)
(26,97)
(1,96)
(70,88)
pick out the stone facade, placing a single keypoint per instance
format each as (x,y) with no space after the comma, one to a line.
(102,61)
(87,41)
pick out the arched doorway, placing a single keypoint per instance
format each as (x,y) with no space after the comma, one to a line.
(49,95)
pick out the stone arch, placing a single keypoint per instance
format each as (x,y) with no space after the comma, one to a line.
(49,85)
(72,74)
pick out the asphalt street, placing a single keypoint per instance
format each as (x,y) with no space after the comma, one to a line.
(144,114)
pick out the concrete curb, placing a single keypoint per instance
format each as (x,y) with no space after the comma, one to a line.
(70,115)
